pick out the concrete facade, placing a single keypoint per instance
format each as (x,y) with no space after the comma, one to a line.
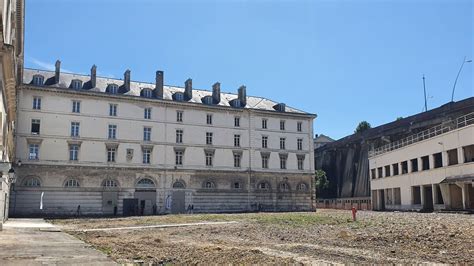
(224,172)
(433,170)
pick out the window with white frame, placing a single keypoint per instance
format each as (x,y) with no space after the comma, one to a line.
(282,143)
(264,123)
(72,183)
(113,89)
(76,106)
(38,80)
(236,140)
(237,158)
(111,154)
(209,138)
(73,152)
(75,129)
(283,159)
(147,133)
(112,132)
(284,187)
(236,121)
(263,186)
(109,183)
(299,126)
(299,144)
(300,161)
(146,156)
(209,119)
(209,158)
(33,151)
(265,158)
(35,126)
(264,142)
(179,136)
(147,113)
(302,187)
(76,84)
(37,103)
(112,109)
(147,93)
(282,124)
(179,157)
(179,116)
(32,182)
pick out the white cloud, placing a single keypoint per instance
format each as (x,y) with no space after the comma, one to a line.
(46,65)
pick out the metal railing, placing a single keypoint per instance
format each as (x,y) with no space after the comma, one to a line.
(459,122)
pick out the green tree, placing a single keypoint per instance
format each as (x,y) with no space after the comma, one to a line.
(399,118)
(321,180)
(363,126)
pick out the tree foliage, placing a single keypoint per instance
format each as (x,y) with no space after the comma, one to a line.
(363,126)
(321,180)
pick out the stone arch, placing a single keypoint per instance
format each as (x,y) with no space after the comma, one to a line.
(302,186)
(145,182)
(209,184)
(284,187)
(109,183)
(31,181)
(263,185)
(179,184)
(71,183)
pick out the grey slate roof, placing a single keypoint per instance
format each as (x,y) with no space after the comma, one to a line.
(65,80)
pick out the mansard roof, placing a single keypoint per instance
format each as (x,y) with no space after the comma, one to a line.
(258,103)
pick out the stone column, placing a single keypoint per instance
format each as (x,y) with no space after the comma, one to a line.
(431,160)
(460,155)
(444,155)
(446,195)
(422,197)
(435,195)
(465,195)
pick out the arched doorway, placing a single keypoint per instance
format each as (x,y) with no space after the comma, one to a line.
(145,193)
(177,200)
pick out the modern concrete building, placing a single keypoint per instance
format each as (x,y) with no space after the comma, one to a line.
(431,170)
(11,67)
(95,145)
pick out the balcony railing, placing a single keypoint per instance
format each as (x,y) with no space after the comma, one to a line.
(459,122)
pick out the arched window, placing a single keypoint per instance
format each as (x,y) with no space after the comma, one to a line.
(178,184)
(263,186)
(147,93)
(145,183)
(284,187)
(302,187)
(38,80)
(108,183)
(112,89)
(209,184)
(76,84)
(32,182)
(72,183)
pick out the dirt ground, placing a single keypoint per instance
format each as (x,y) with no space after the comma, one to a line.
(297,238)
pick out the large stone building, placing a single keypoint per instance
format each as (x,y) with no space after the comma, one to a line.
(11,67)
(95,145)
(431,170)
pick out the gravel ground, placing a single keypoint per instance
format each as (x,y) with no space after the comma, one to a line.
(297,238)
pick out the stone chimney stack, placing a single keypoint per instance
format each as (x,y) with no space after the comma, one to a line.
(188,89)
(243,95)
(57,72)
(216,93)
(93,75)
(126,80)
(159,84)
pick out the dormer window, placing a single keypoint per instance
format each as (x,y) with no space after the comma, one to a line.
(281,107)
(178,96)
(38,80)
(147,93)
(235,103)
(207,100)
(76,84)
(112,89)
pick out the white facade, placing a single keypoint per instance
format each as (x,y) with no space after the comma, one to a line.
(431,170)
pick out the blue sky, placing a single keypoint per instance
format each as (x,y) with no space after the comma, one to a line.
(346,61)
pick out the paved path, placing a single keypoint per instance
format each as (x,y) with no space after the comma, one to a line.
(36,242)
(154,226)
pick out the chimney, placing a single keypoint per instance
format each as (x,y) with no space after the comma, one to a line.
(243,95)
(93,75)
(188,89)
(57,72)
(216,93)
(126,80)
(159,84)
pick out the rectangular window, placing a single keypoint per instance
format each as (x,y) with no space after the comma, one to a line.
(37,103)
(112,109)
(299,126)
(34,152)
(453,157)
(179,136)
(264,123)
(209,119)
(73,152)
(35,126)
(237,158)
(236,140)
(282,143)
(404,167)
(372,172)
(147,113)
(387,170)
(265,161)
(380,172)
(283,161)
(75,129)
(209,138)
(146,156)
(282,124)
(414,165)
(111,154)
(112,132)
(300,144)
(300,162)
(76,106)
(264,142)
(438,160)
(395,168)
(179,116)
(425,163)
(147,133)
(236,121)
(209,157)
(179,157)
